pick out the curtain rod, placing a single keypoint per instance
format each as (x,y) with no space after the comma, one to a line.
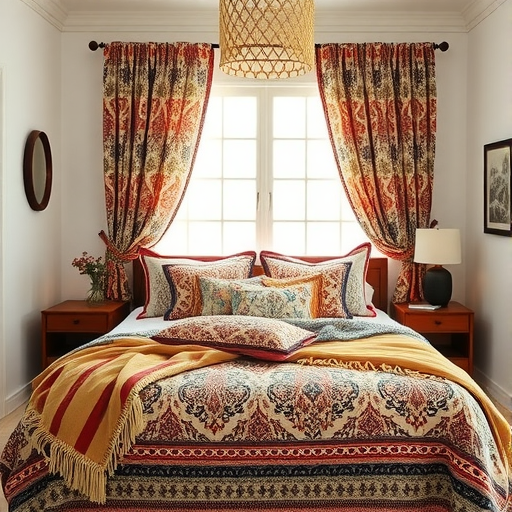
(93,46)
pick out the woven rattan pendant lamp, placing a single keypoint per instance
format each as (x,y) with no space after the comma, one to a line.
(266,39)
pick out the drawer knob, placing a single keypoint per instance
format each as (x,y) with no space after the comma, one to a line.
(76,322)
(438,322)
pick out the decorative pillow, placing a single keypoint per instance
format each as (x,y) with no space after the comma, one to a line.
(343,288)
(264,338)
(216,294)
(334,282)
(183,282)
(294,301)
(158,293)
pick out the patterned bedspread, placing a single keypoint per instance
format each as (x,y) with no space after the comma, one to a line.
(254,435)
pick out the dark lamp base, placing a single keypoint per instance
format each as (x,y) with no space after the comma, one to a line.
(437,286)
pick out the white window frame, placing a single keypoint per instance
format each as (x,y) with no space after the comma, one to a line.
(264,178)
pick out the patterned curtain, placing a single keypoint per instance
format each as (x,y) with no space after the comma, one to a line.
(154,101)
(380,105)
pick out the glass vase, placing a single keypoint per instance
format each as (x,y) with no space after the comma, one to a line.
(96,294)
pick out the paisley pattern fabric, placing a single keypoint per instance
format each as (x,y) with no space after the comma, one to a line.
(298,300)
(158,292)
(154,102)
(251,435)
(263,338)
(185,293)
(343,289)
(247,400)
(380,104)
(216,294)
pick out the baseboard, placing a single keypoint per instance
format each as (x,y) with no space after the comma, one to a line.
(18,399)
(493,389)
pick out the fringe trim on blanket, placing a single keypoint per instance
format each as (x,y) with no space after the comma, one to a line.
(367,366)
(79,472)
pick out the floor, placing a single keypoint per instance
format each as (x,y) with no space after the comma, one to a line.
(8,424)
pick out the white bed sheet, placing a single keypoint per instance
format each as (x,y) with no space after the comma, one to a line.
(132,324)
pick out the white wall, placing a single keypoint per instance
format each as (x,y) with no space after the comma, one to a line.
(30,251)
(489,257)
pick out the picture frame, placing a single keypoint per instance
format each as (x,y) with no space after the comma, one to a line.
(498,188)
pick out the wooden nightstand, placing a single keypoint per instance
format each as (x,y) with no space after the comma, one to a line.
(449,329)
(72,323)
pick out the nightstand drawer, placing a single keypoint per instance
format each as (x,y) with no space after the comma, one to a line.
(432,322)
(73,323)
(77,323)
(449,329)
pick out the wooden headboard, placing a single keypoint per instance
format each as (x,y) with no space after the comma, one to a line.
(377,277)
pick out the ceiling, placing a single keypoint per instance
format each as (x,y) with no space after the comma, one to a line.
(202,15)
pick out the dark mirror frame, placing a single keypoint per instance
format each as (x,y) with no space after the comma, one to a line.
(28,170)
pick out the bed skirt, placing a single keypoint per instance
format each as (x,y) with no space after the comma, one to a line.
(378,476)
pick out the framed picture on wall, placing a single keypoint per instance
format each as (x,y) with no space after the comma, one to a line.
(498,188)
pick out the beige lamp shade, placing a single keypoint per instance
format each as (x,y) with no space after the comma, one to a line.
(437,246)
(266,39)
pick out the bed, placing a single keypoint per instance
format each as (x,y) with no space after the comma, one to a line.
(258,388)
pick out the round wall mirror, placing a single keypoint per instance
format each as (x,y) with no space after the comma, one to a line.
(37,170)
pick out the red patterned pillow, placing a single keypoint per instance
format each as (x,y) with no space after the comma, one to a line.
(263,338)
(184,283)
(343,279)
(158,292)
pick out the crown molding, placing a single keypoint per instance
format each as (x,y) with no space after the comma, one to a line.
(327,22)
(478,10)
(136,21)
(51,10)
(336,22)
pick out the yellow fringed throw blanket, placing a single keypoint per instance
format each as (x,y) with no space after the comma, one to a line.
(86,411)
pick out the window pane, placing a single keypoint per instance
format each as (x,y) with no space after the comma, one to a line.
(175,240)
(239,236)
(353,235)
(289,159)
(323,200)
(205,238)
(289,117)
(289,237)
(208,159)
(347,214)
(239,200)
(204,199)
(323,238)
(289,201)
(240,117)
(321,163)
(317,125)
(213,119)
(240,159)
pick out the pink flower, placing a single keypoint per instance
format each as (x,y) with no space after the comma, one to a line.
(93,267)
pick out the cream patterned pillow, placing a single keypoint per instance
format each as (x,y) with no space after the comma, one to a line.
(279,298)
(263,338)
(343,279)
(216,294)
(183,282)
(158,292)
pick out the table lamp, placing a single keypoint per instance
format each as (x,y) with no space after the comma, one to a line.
(437,247)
